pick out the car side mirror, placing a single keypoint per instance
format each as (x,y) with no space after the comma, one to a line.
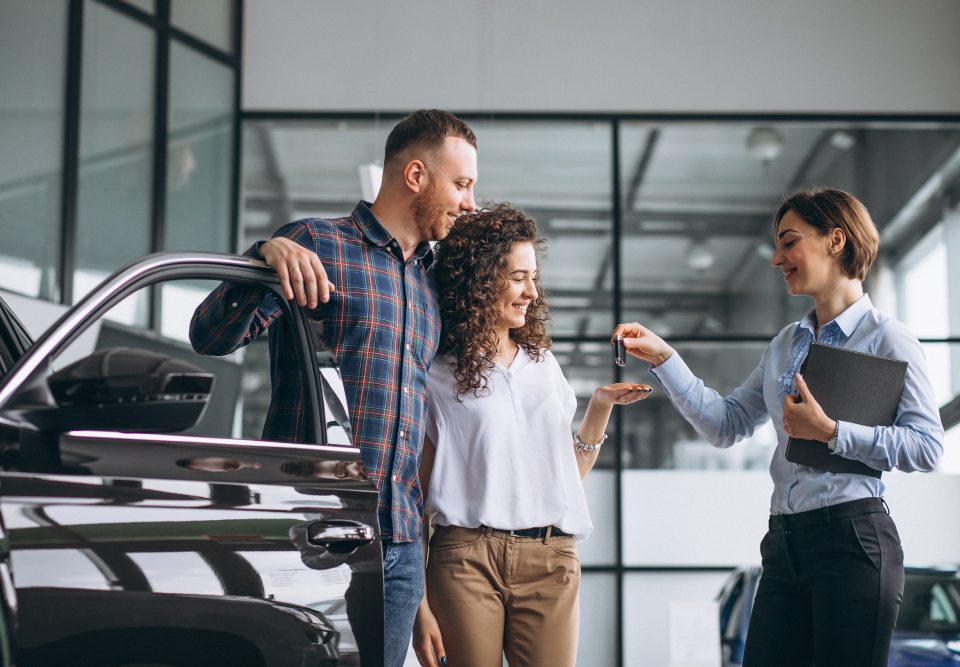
(127,389)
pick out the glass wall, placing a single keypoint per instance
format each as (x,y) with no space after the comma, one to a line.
(674,219)
(32,70)
(668,223)
(210,20)
(116,150)
(200,156)
(118,120)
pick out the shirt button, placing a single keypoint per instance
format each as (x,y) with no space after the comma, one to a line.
(402,434)
(396,478)
(404,390)
(407,346)
(233,305)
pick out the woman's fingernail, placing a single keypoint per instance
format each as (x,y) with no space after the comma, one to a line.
(443,659)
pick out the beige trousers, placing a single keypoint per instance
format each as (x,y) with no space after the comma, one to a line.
(493,593)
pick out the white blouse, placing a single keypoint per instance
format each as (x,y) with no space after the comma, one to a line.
(504,458)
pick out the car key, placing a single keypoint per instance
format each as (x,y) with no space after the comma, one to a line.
(619,352)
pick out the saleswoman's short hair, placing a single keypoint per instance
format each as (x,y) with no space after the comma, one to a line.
(830,208)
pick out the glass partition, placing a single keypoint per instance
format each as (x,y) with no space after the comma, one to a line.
(210,20)
(32,60)
(199,153)
(116,151)
(560,174)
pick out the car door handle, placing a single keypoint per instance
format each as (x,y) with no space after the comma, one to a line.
(340,536)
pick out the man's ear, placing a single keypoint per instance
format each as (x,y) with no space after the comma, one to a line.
(415,175)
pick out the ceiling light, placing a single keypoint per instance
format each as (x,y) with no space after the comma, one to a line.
(699,255)
(764,143)
(842,140)
(765,251)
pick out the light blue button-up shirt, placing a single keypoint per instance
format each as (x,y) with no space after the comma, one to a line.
(914,442)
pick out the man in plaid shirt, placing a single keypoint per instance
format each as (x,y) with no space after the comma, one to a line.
(366,276)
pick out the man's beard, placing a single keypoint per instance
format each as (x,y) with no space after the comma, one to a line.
(430,215)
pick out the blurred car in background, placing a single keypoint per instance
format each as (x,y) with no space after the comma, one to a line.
(927,633)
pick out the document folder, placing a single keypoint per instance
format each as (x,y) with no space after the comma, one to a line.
(851,387)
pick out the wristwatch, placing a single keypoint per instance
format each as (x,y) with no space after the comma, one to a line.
(832,442)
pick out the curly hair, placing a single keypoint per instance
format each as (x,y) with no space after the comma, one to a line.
(469,270)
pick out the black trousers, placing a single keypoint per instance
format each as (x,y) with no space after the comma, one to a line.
(830,591)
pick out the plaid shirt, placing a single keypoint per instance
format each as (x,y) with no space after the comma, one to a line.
(382,323)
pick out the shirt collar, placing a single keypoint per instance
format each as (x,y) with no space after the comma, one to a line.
(377,234)
(371,228)
(848,320)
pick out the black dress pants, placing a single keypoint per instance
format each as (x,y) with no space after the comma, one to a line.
(830,590)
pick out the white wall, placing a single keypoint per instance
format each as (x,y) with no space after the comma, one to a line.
(603,55)
(710,518)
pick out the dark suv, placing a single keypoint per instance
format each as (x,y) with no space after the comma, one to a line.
(143,521)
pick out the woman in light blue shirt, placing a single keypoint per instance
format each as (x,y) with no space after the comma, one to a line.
(832,563)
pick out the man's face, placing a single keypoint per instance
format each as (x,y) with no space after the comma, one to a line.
(448,193)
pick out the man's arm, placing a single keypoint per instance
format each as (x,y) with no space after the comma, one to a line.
(230,317)
(234,314)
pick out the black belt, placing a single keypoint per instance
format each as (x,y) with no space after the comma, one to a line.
(824,516)
(534,532)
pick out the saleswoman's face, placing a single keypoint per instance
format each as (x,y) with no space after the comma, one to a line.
(805,256)
(520,290)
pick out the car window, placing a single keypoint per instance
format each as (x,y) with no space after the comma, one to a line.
(240,394)
(941,608)
(14,339)
(930,604)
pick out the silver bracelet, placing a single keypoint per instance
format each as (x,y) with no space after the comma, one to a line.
(582,447)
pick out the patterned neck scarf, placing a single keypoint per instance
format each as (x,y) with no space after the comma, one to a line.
(831,334)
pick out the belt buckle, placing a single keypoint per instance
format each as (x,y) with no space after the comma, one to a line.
(516,533)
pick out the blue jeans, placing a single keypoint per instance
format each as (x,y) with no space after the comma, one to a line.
(402,592)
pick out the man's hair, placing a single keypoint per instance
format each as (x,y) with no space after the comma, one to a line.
(830,208)
(426,129)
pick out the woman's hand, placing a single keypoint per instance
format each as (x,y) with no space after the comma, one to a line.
(427,643)
(805,420)
(643,343)
(621,393)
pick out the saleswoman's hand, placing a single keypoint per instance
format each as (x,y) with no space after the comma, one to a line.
(621,393)
(427,643)
(640,342)
(805,419)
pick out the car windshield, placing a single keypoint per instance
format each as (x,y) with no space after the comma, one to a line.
(931,603)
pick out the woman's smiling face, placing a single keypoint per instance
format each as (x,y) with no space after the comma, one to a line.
(808,259)
(520,289)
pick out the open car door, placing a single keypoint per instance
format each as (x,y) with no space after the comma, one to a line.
(141,527)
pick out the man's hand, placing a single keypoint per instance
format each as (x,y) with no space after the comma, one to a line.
(805,419)
(643,343)
(300,271)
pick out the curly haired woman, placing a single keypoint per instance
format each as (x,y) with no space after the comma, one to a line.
(500,471)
